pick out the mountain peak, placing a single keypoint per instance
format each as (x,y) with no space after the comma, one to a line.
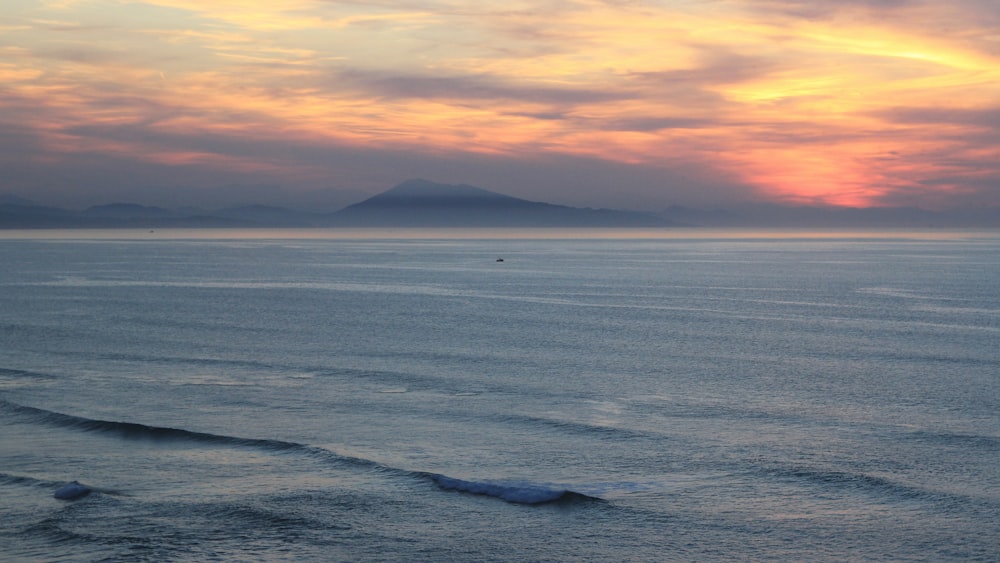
(421,203)
(418,189)
(14,199)
(129,210)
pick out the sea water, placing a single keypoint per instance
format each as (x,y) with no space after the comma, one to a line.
(269,396)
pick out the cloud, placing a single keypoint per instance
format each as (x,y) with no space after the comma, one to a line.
(587,101)
(979,118)
(84,178)
(820,8)
(468,87)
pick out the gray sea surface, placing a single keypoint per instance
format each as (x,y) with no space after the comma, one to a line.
(400,396)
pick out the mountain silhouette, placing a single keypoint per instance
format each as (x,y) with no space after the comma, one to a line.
(421,203)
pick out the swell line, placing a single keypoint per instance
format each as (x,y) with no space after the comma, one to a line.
(517,492)
(24,374)
(133,430)
(520,492)
(882,486)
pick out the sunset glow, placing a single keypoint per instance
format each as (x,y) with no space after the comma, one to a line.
(855,103)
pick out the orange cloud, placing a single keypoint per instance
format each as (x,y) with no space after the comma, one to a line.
(798,109)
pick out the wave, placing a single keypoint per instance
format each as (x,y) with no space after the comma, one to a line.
(851,480)
(9,479)
(133,430)
(23,374)
(186,360)
(53,531)
(881,486)
(979,441)
(575,427)
(241,516)
(515,492)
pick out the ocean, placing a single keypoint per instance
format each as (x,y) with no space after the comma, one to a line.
(406,396)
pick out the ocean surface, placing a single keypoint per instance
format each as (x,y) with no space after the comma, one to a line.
(372,396)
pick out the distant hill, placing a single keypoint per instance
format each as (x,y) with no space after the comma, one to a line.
(421,203)
(20,216)
(121,215)
(126,211)
(15,199)
(414,203)
(272,216)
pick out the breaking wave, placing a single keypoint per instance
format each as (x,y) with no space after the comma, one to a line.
(514,492)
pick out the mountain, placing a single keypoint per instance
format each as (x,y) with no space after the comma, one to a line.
(421,203)
(20,216)
(118,215)
(271,216)
(126,211)
(15,199)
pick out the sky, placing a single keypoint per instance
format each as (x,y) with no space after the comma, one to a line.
(617,103)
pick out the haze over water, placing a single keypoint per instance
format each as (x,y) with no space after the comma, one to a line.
(354,395)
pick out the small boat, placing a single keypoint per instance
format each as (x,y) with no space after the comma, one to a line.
(499,259)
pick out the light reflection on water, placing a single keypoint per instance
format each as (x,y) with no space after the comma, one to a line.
(780,398)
